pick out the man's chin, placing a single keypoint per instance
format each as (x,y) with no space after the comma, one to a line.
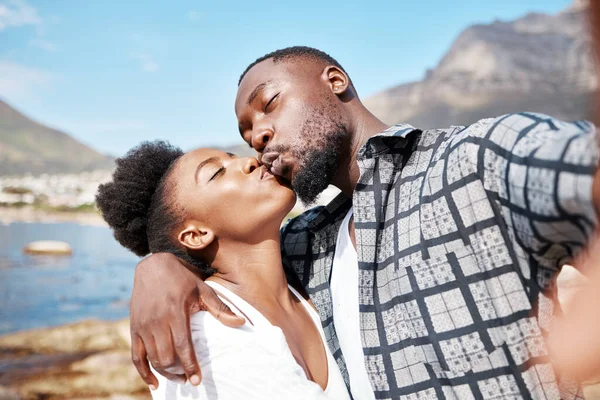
(307,194)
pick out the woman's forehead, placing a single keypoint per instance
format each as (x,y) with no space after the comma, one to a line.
(201,154)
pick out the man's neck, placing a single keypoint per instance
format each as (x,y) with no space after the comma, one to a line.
(364,126)
(254,272)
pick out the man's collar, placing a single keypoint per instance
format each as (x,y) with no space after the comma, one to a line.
(394,137)
(332,212)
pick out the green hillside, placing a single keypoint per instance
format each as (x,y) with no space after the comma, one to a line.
(29,147)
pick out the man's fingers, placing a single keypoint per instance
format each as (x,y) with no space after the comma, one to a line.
(140,360)
(184,347)
(165,361)
(163,358)
(217,308)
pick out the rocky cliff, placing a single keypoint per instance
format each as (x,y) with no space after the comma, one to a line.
(541,63)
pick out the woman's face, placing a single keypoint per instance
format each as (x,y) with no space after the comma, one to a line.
(234,197)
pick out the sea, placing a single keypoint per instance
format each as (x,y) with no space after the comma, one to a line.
(43,291)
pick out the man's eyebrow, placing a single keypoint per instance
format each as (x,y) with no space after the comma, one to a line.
(256,91)
(203,163)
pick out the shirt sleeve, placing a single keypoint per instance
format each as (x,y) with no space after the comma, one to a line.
(541,169)
(239,365)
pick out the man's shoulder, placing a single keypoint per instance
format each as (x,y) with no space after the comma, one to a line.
(521,122)
(503,132)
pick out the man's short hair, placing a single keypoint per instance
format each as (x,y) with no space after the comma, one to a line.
(296,52)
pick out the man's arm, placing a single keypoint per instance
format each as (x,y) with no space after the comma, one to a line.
(575,340)
(541,170)
(165,293)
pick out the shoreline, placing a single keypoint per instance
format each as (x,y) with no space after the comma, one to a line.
(27,214)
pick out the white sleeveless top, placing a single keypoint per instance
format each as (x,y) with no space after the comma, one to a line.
(251,362)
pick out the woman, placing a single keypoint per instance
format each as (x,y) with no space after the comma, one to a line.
(221,214)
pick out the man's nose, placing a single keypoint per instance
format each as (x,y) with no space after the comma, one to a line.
(261,139)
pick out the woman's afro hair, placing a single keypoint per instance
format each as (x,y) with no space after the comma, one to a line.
(132,202)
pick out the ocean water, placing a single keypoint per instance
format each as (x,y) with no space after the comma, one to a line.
(41,291)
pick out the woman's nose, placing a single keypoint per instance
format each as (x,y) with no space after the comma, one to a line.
(249,164)
(261,139)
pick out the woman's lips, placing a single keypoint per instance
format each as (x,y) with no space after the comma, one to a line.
(265,173)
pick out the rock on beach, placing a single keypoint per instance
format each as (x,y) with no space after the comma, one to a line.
(85,360)
(48,247)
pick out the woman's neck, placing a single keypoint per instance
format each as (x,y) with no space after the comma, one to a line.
(254,272)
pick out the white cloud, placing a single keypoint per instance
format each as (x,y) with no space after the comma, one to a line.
(17,13)
(19,82)
(43,44)
(194,15)
(147,63)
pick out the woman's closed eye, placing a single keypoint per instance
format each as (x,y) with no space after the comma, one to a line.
(218,173)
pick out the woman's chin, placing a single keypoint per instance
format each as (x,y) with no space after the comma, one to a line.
(282,216)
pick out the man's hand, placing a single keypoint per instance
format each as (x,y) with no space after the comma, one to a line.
(165,294)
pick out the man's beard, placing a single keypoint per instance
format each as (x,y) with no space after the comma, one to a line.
(317,167)
(326,142)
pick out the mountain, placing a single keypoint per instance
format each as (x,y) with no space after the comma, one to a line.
(541,63)
(30,147)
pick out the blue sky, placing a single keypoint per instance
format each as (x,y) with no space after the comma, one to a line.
(114,73)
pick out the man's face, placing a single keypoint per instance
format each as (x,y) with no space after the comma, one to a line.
(290,116)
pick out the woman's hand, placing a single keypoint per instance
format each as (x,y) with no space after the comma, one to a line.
(165,294)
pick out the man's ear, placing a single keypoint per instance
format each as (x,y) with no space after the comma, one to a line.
(337,79)
(195,237)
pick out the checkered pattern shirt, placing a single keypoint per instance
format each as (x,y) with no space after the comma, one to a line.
(460,233)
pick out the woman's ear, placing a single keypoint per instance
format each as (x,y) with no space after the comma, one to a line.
(337,79)
(195,237)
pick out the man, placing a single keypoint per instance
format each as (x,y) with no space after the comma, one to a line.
(456,235)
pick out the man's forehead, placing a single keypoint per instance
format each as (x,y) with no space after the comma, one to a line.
(261,73)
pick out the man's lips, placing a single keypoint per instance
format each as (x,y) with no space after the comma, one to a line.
(277,167)
(274,162)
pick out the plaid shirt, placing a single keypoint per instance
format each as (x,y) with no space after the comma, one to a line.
(460,233)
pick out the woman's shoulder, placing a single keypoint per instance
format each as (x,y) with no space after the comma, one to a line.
(210,333)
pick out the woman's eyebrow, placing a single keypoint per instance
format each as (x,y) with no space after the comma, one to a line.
(210,160)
